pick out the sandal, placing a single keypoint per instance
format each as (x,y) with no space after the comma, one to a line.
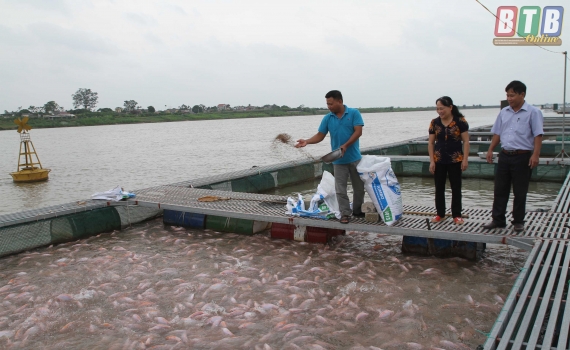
(345,219)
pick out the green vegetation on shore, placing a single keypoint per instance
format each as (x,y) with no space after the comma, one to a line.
(108,117)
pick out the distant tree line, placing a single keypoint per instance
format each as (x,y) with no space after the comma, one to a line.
(85,102)
(50,107)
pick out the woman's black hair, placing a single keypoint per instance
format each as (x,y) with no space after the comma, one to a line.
(447,102)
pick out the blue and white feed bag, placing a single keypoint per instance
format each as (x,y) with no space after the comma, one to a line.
(382,186)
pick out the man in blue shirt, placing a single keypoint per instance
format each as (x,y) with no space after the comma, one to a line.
(519,130)
(345,127)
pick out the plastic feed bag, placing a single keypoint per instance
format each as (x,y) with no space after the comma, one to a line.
(382,186)
(324,204)
(297,208)
(326,190)
(116,194)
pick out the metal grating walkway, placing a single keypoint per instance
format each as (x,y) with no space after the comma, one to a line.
(536,314)
(271,208)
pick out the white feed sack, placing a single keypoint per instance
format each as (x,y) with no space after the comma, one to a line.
(382,186)
(326,191)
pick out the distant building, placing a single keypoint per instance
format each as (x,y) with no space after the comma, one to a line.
(223,107)
(31,115)
(119,110)
(60,115)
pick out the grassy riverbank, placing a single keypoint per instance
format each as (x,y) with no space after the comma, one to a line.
(93,118)
(111,118)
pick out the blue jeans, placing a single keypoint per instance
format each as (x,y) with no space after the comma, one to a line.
(341,174)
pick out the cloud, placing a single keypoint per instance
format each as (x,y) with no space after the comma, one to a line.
(153,39)
(61,6)
(140,19)
(174,8)
(55,36)
(379,53)
(12,38)
(349,43)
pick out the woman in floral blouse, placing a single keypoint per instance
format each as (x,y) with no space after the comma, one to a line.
(448,156)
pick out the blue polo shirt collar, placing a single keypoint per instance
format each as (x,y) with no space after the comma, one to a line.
(345,113)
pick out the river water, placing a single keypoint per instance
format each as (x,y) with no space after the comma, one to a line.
(158,287)
(85,160)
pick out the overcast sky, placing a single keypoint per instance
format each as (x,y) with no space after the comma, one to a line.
(171,52)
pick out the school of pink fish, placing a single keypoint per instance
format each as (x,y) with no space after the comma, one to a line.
(157,287)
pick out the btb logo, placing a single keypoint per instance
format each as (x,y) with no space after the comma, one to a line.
(531,25)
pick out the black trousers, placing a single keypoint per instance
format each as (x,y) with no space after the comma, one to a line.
(512,170)
(440,176)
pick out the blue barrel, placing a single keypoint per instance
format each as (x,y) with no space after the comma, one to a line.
(415,245)
(443,248)
(180,218)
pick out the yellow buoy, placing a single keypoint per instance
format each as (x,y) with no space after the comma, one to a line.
(29,166)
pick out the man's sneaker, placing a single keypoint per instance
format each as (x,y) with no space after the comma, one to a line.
(358,215)
(458,221)
(437,218)
(518,227)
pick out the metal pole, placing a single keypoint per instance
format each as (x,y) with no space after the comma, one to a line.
(564,103)
(562,152)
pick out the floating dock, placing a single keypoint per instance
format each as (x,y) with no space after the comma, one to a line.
(535,315)
(268,208)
